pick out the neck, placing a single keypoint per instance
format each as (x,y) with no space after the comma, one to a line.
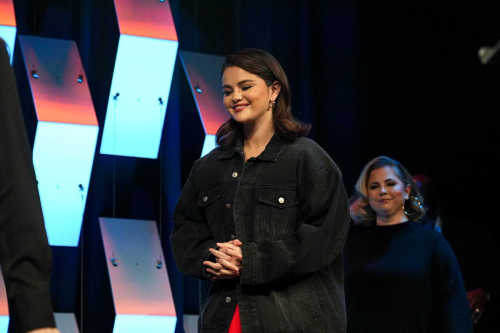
(391,220)
(258,135)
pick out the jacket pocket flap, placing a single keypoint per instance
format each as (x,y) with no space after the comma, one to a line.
(209,195)
(278,198)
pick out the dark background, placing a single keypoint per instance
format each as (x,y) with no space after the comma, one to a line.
(397,78)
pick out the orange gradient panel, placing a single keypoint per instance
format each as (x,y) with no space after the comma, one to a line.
(57,95)
(4,306)
(150,18)
(138,286)
(7,16)
(203,70)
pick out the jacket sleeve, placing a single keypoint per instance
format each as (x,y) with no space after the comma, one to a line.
(319,236)
(448,291)
(191,236)
(25,254)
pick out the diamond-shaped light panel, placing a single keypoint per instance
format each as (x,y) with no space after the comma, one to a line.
(144,65)
(138,275)
(203,73)
(66,134)
(8,25)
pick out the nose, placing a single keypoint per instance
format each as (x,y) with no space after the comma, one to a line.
(383,191)
(236,97)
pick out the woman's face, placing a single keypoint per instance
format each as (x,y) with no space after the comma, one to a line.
(387,193)
(247,96)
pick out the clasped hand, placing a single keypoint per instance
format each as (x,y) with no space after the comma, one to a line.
(228,260)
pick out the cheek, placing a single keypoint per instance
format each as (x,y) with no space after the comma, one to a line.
(371,199)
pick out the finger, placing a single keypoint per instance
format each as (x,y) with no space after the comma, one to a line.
(214,272)
(223,277)
(226,272)
(212,265)
(235,253)
(227,246)
(226,264)
(219,254)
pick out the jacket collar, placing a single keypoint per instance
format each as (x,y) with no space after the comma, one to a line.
(273,149)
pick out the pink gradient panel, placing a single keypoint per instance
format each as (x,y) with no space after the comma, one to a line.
(7,16)
(4,306)
(204,70)
(139,287)
(151,19)
(57,95)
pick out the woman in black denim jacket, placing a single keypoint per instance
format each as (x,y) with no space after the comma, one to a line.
(264,216)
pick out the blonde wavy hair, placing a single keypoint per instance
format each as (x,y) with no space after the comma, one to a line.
(362,213)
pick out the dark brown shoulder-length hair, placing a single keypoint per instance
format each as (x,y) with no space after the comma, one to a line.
(266,67)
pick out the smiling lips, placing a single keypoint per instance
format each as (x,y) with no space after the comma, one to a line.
(239,107)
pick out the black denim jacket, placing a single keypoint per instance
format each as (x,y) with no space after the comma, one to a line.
(289,208)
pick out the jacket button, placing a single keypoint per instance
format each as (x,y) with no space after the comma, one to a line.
(228,206)
(233,236)
(281,200)
(205,198)
(228,299)
(235,174)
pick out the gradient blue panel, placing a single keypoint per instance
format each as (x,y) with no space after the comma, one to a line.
(140,323)
(142,76)
(209,144)
(63,155)
(8,34)
(66,322)
(4,324)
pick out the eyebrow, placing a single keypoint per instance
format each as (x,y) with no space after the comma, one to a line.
(386,180)
(239,83)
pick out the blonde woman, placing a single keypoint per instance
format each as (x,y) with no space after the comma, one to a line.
(399,276)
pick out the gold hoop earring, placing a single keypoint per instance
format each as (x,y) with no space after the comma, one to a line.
(271,104)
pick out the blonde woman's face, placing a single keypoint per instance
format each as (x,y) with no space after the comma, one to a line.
(387,193)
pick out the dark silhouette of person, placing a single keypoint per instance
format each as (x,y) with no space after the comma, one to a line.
(25,254)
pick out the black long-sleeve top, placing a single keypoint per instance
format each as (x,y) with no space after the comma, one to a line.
(403,278)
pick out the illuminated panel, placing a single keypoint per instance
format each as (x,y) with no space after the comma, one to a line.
(66,134)
(4,306)
(142,77)
(203,73)
(138,276)
(63,156)
(150,324)
(209,144)
(66,322)
(58,95)
(8,25)
(144,65)
(190,323)
(145,18)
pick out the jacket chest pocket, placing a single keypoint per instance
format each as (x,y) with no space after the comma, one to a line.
(278,211)
(210,201)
